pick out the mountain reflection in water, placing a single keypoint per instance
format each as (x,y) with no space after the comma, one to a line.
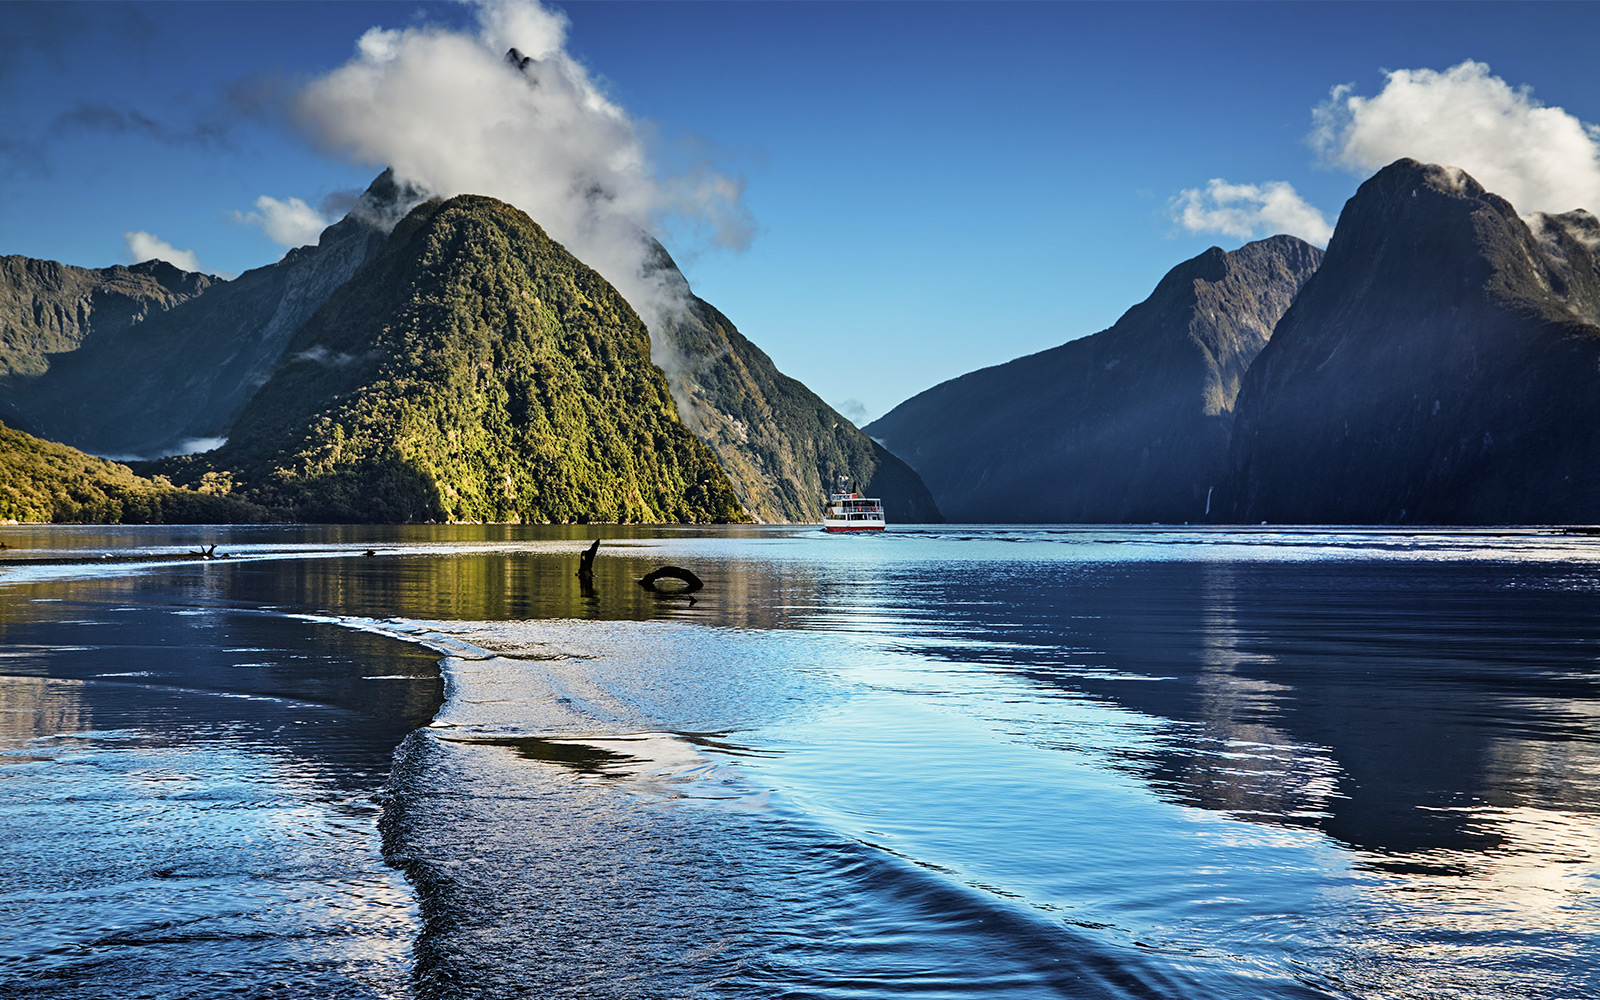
(1001,761)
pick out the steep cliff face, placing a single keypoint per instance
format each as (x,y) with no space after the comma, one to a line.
(1129,424)
(1441,367)
(472,370)
(48,309)
(781,445)
(110,367)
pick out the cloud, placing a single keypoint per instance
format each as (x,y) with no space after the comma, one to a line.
(451,115)
(1246,211)
(143,246)
(1540,158)
(853,410)
(93,117)
(290,223)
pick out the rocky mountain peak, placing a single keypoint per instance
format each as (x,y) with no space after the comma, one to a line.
(1436,368)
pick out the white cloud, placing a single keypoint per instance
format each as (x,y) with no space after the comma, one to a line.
(1246,211)
(143,246)
(854,411)
(1540,158)
(195,446)
(448,112)
(290,223)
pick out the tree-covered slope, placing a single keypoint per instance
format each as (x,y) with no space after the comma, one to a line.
(1128,424)
(43,481)
(781,445)
(472,370)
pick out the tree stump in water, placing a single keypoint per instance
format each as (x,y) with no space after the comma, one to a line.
(586,561)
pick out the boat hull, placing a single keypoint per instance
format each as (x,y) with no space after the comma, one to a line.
(850,529)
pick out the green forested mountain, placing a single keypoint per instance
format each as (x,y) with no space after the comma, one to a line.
(472,370)
(41,481)
(149,361)
(782,446)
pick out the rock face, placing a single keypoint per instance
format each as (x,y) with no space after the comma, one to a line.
(1443,366)
(1129,424)
(108,365)
(48,309)
(471,370)
(781,445)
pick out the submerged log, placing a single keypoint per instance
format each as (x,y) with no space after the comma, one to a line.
(692,582)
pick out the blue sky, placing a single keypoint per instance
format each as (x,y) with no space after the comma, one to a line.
(925,188)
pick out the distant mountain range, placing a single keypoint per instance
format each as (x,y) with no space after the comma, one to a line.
(1440,364)
(1129,424)
(405,376)
(140,374)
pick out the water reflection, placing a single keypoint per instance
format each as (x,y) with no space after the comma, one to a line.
(1367,762)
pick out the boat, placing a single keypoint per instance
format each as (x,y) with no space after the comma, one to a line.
(852,512)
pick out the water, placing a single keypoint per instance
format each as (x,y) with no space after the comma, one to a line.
(1054,762)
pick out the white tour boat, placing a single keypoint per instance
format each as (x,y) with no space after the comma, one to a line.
(852,512)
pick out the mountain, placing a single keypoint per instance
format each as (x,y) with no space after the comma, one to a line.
(1443,366)
(47,308)
(471,370)
(41,481)
(106,361)
(781,445)
(1128,424)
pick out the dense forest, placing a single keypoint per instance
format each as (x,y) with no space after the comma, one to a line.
(472,371)
(44,481)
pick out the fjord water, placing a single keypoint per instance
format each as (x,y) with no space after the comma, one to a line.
(1009,762)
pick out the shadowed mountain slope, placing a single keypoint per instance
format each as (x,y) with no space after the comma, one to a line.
(1129,424)
(1443,366)
(48,309)
(782,446)
(110,366)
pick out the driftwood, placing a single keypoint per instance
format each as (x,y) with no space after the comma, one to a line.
(693,583)
(586,561)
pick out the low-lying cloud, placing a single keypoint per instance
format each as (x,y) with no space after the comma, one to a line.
(1247,211)
(1541,158)
(451,115)
(290,223)
(143,246)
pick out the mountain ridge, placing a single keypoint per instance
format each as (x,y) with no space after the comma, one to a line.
(182,374)
(1128,424)
(782,446)
(1439,368)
